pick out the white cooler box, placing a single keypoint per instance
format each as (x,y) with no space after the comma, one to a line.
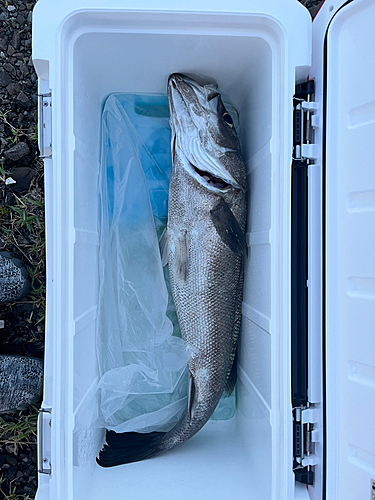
(304,424)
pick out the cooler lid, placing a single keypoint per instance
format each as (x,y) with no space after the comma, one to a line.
(349,168)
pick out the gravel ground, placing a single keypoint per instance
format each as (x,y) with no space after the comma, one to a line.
(22,231)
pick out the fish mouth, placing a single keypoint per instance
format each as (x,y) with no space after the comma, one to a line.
(208,180)
(211,180)
(204,157)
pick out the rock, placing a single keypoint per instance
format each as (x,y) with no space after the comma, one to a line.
(9,68)
(10,50)
(11,460)
(29,490)
(5,467)
(5,78)
(12,471)
(23,68)
(2,459)
(17,152)
(23,177)
(11,8)
(9,448)
(13,88)
(4,16)
(16,39)
(3,42)
(20,19)
(23,98)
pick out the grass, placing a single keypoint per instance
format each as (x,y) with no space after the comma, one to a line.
(19,430)
(22,232)
(12,495)
(16,132)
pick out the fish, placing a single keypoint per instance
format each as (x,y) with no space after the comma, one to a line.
(205,247)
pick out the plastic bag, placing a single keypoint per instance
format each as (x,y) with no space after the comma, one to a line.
(143,384)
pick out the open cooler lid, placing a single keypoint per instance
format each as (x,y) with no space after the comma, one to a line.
(333,263)
(348,166)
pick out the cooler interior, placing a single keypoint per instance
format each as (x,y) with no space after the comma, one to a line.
(246,456)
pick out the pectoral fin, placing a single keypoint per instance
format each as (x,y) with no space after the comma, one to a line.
(164,246)
(228,228)
(192,401)
(182,256)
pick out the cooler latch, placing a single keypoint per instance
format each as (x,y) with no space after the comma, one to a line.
(45,125)
(306,435)
(44,441)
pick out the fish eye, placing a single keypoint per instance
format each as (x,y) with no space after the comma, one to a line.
(228,119)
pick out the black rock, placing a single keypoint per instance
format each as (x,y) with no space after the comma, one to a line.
(13,88)
(23,68)
(17,152)
(9,68)
(22,97)
(3,43)
(4,16)
(2,459)
(11,460)
(10,50)
(29,490)
(23,177)
(16,39)
(12,471)
(5,78)
(20,19)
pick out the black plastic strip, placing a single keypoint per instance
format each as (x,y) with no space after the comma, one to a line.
(299,283)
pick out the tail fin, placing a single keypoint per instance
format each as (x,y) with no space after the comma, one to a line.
(127,447)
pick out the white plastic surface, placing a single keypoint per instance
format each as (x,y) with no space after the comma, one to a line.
(350,264)
(254,52)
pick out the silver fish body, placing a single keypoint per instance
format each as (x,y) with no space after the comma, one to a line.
(206,274)
(204,245)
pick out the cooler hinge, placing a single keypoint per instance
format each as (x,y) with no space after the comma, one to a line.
(45,125)
(305,435)
(305,431)
(44,441)
(305,121)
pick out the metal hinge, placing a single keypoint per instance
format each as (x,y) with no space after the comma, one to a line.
(45,125)
(306,434)
(44,441)
(305,121)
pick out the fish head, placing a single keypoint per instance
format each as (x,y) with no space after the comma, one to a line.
(203,133)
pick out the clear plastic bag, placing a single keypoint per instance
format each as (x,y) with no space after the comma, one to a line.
(143,384)
(143,363)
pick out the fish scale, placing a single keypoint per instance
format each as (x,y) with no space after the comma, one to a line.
(208,301)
